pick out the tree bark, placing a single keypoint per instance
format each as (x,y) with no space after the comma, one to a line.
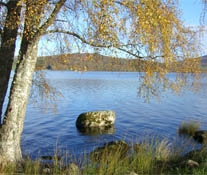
(12,127)
(7,48)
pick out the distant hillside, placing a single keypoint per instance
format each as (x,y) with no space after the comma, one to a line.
(97,62)
(90,62)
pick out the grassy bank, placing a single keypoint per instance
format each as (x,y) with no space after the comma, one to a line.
(149,156)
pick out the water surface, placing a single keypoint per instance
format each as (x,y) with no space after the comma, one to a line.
(93,91)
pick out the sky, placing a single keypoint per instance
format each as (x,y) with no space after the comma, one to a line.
(191,11)
(191,15)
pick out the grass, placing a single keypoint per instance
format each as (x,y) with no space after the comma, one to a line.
(188,128)
(150,156)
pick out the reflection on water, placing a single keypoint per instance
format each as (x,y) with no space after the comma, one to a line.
(94,131)
(97,91)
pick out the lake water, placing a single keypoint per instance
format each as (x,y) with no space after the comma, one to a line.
(92,91)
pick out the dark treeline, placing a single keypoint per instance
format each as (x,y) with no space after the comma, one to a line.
(89,62)
(97,62)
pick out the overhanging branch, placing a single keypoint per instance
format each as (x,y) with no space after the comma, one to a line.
(50,20)
(91,43)
(119,47)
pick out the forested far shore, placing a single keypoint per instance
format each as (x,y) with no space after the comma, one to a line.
(97,62)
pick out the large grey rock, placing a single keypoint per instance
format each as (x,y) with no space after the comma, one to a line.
(95,119)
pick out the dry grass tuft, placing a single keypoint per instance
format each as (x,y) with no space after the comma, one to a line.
(188,128)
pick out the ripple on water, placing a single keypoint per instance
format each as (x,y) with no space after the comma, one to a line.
(91,91)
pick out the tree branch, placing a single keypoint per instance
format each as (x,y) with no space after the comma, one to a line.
(50,20)
(100,45)
(60,20)
(69,8)
(135,55)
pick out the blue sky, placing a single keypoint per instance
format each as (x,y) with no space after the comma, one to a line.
(191,10)
(190,13)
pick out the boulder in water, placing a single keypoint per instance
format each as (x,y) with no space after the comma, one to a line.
(95,119)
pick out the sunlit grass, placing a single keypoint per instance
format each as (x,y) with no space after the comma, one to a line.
(148,156)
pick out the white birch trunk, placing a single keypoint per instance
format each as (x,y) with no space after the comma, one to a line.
(12,127)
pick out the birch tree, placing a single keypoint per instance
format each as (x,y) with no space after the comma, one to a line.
(9,34)
(12,126)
